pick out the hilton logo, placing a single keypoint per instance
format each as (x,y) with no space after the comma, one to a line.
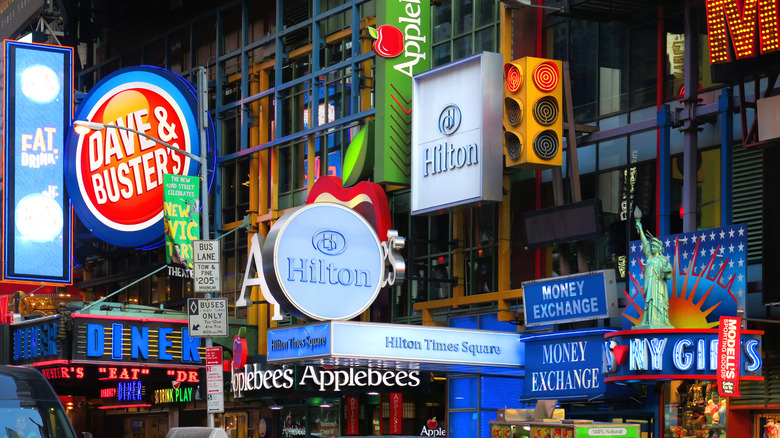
(329,242)
(449,119)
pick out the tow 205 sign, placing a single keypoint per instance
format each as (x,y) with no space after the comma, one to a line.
(116,176)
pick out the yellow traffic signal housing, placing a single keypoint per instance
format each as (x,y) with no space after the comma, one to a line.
(533,113)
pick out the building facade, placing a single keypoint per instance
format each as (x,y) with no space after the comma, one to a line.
(659,116)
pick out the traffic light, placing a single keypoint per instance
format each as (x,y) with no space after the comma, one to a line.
(533,123)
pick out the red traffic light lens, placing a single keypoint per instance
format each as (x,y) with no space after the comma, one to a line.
(514,77)
(546,76)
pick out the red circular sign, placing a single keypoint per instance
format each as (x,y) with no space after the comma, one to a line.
(122,172)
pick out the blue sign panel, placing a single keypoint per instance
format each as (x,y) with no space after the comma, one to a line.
(38,111)
(570,298)
(635,355)
(564,365)
(299,341)
(328,263)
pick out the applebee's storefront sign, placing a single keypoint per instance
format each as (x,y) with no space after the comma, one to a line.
(325,262)
(253,377)
(115,177)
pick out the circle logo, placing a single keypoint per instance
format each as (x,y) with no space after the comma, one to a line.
(329,242)
(323,261)
(115,176)
(449,119)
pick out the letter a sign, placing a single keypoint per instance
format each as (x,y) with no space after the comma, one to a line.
(256,261)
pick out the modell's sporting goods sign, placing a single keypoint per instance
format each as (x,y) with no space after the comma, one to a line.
(114,175)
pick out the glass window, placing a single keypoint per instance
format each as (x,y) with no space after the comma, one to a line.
(693,408)
(583,63)
(463,392)
(613,67)
(462,28)
(643,61)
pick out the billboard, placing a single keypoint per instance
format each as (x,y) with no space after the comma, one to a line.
(402,46)
(709,277)
(38,109)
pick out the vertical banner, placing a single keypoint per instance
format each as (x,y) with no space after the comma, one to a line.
(38,84)
(729,334)
(181,206)
(353,416)
(396,413)
(402,45)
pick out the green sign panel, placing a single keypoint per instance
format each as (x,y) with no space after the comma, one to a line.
(403,45)
(610,431)
(181,206)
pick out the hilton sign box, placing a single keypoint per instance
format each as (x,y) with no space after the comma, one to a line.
(457,144)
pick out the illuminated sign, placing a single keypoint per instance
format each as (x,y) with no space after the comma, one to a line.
(255,377)
(709,277)
(398,343)
(38,109)
(405,33)
(36,340)
(564,365)
(130,391)
(325,262)
(752,25)
(570,298)
(63,372)
(115,176)
(669,354)
(455,157)
(173,395)
(121,373)
(729,335)
(148,341)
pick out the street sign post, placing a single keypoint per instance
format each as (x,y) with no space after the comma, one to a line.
(205,266)
(214,390)
(208,317)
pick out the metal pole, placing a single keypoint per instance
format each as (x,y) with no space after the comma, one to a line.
(203,120)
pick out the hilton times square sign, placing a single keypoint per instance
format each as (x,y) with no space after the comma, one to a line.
(456,134)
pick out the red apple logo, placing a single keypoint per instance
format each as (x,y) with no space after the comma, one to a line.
(432,423)
(389,40)
(366,198)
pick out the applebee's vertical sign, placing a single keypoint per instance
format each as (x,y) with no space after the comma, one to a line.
(402,46)
(729,335)
(115,176)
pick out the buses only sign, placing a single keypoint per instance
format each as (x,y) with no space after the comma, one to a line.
(207,317)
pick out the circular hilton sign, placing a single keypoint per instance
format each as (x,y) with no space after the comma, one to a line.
(328,262)
(115,177)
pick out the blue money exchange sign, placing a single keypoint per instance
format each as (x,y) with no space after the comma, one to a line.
(570,298)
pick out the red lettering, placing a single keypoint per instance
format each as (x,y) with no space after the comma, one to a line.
(193,377)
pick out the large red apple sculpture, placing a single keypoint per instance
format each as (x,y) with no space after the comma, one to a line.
(389,40)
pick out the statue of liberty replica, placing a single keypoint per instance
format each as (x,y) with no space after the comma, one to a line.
(657,271)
